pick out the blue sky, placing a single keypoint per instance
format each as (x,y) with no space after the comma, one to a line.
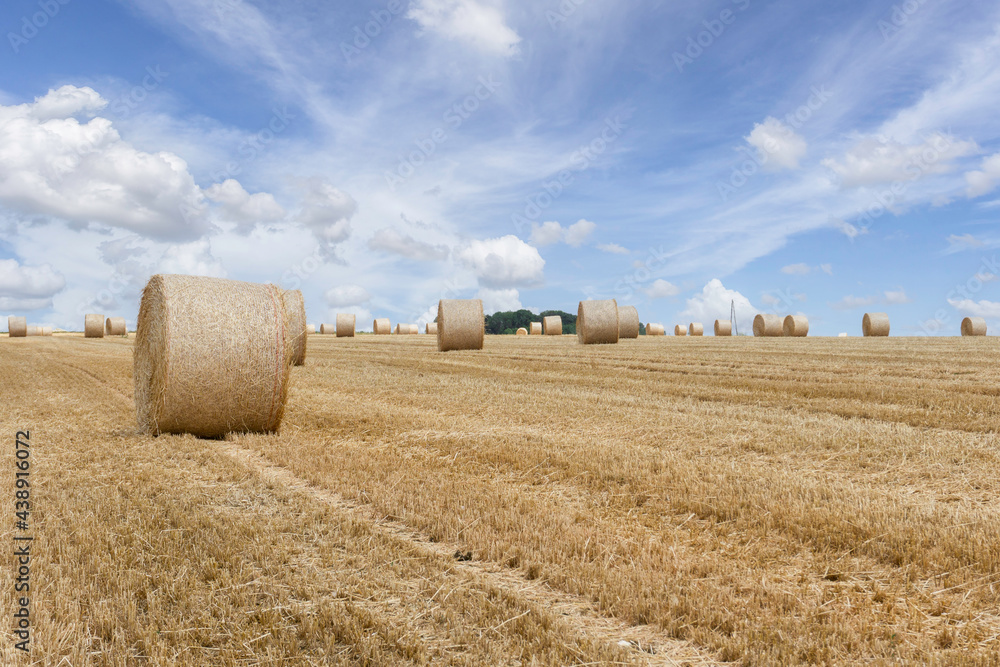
(819,158)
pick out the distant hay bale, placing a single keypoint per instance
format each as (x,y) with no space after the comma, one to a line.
(17,327)
(552,325)
(401,329)
(768,325)
(212,356)
(33,330)
(875,324)
(796,326)
(327,329)
(597,322)
(723,327)
(696,329)
(382,326)
(536,329)
(521,332)
(973,326)
(680,330)
(295,306)
(414,328)
(310,328)
(461,325)
(345,325)
(655,330)
(842,334)
(431,328)
(93,326)
(628,322)
(46,331)
(115,326)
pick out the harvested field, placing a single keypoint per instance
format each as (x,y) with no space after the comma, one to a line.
(661,501)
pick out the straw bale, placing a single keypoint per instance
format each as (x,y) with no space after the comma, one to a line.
(696,329)
(875,324)
(93,326)
(327,329)
(521,332)
(535,329)
(597,322)
(33,330)
(723,327)
(212,356)
(115,326)
(461,325)
(680,330)
(767,325)
(382,326)
(973,326)
(345,325)
(552,325)
(46,331)
(654,329)
(414,328)
(431,328)
(628,322)
(295,306)
(796,326)
(17,327)
(310,328)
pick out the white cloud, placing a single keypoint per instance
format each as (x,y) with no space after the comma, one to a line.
(987,309)
(876,161)
(888,298)
(546,233)
(893,297)
(984,179)
(327,211)
(390,240)
(28,283)
(769,299)
(550,232)
(578,232)
(347,295)
(958,243)
(503,262)
(849,230)
(826,268)
(661,289)
(986,277)
(66,102)
(778,145)
(797,269)
(714,302)
(243,208)
(612,248)
(495,300)
(468,21)
(193,259)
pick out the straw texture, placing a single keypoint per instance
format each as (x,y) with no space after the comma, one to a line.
(597,322)
(46,331)
(696,329)
(211,357)
(655,330)
(766,324)
(93,326)
(34,330)
(875,324)
(17,327)
(431,328)
(115,326)
(461,325)
(345,325)
(723,327)
(295,307)
(973,326)
(680,330)
(521,332)
(628,322)
(552,325)
(327,329)
(796,326)
(310,328)
(536,329)
(382,326)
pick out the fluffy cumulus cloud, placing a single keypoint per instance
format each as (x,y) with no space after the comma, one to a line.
(245,209)
(575,235)
(347,295)
(778,146)
(193,258)
(495,300)
(28,287)
(546,233)
(327,211)
(660,289)
(985,179)
(476,23)
(877,161)
(986,309)
(503,262)
(612,248)
(715,303)
(390,240)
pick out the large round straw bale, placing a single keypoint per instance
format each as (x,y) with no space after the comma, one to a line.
(680,330)
(414,328)
(628,322)
(93,326)
(723,327)
(973,326)
(535,329)
(653,329)
(310,328)
(597,322)
(431,328)
(461,325)
(17,327)
(327,329)
(552,325)
(767,324)
(875,324)
(115,326)
(212,356)
(401,329)
(521,332)
(345,325)
(295,306)
(46,331)
(696,329)
(382,326)
(33,330)
(796,325)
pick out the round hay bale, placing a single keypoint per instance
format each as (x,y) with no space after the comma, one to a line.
(414,328)
(766,324)
(115,326)
(46,331)
(552,325)
(345,325)
(310,328)
(875,324)
(680,330)
(382,326)
(535,329)
(696,329)
(628,322)
(973,326)
(723,327)
(653,329)
(796,326)
(401,329)
(93,326)
(597,322)
(212,356)
(521,332)
(431,328)
(461,325)
(17,327)
(33,330)
(327,329)
(295,306)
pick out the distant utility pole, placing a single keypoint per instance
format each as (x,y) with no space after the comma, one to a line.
(732,317)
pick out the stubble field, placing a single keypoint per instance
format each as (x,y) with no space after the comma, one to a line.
(662,501)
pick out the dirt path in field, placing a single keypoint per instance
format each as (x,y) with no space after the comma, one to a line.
(647,643)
